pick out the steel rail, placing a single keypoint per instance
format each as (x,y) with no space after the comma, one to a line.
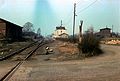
(17,51)
(8,75)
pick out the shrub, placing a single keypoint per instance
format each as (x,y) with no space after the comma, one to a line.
(71,40)
(62,39)
(90,45)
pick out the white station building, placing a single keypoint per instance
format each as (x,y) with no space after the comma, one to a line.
(60,32)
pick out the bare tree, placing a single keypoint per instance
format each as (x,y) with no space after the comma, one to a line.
(28,30)
(28,27)
(39,32)
(90,30)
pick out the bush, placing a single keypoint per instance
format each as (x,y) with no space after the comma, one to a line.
(75,40)
(70,39)
(62,39)
(90,45)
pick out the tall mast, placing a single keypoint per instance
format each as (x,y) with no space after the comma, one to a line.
(74,21)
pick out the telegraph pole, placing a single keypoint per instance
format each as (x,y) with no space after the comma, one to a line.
(74,21)
(112,30)
(61,23)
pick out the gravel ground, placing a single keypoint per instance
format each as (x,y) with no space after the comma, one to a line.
(5,66)
(100,68)
(8,48)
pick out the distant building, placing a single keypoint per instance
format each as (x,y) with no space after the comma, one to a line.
(104,33)
(10,30)
(60,32)
(63,35)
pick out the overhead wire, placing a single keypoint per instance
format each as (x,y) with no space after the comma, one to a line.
(88,6)
(78,2)
(69,17)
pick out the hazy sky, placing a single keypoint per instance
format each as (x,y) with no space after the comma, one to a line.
(47,14)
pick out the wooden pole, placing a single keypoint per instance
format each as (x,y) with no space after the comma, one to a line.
(80,32)
(74,21)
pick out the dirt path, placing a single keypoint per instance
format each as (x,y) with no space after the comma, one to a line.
(105,67)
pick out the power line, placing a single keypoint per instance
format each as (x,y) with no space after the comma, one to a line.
(68,19)
(88,6)
(69,16)
(78,2)
(71,11)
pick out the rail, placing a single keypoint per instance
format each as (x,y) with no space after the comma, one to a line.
(17,51)
(8,75)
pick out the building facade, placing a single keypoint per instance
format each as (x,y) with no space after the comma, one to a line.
(10,30)
(60,32)
(104,33)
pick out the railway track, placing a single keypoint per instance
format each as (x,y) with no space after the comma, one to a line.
(17,51)
(8,75)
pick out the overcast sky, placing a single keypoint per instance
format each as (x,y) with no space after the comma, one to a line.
(47,14)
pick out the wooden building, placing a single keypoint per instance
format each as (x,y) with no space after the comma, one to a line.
(10,30)
(104,33)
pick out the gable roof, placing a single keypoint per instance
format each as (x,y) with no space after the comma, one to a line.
(57,28)
(6,21)
(106,29)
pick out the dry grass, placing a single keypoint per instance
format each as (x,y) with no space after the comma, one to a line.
(68,49)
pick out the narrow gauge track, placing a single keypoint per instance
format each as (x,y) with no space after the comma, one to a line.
(17,51)
(8,75)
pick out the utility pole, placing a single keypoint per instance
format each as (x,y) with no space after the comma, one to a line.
(61,23)
(74,21)
(80,31)
(112,30)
